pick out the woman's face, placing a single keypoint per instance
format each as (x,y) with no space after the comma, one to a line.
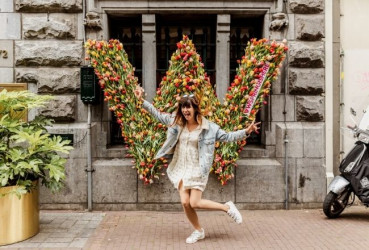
(188,112)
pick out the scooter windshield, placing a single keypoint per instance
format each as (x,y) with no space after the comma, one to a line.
(364,123)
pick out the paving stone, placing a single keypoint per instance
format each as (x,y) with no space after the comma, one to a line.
(54,244)
(62,235)
(40,237)
(68,224)
(60,240)
(78,242)
(85,233)
(23,245)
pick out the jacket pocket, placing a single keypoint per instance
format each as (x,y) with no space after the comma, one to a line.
(209,145)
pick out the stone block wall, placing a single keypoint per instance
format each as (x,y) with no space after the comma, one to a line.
(44,44)
(297,103)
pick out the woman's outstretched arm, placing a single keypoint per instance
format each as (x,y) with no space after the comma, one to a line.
(236,135)
(164,118)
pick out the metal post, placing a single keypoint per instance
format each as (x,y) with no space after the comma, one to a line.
(89,161)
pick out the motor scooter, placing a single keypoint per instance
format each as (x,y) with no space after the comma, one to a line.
(354,178)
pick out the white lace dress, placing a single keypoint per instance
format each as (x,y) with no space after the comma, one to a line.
(185,164)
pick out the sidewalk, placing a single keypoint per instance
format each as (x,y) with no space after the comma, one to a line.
(61,229)
(261,229)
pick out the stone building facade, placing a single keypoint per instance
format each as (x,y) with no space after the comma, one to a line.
(44,44)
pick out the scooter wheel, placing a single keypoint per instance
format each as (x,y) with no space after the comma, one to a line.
(333,206)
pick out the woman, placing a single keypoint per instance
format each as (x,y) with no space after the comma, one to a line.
(192,139)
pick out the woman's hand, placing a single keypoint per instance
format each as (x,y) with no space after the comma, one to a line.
(253,128)
(139,91)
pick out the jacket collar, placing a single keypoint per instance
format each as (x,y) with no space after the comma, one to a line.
(204,123)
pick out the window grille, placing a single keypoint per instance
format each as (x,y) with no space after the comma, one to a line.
(242,30)
(127,30)
(201,29)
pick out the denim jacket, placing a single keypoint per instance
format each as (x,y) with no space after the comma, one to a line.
(210,133)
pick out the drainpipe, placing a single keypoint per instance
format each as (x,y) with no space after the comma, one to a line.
(89,169)
(342,103)
(286,168)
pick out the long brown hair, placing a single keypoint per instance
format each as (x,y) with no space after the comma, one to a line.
(187,101)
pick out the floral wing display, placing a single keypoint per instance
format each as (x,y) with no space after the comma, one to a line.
(249,90)
(186,75)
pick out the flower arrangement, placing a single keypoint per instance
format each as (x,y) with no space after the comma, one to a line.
(258,68)
(142,133)
(185,75)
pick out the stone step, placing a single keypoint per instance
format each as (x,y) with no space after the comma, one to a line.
(116,162)
(254,162)
(257,151)
(253,151)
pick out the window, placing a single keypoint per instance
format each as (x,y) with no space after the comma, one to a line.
(201,29)
(127,30)
(242,30)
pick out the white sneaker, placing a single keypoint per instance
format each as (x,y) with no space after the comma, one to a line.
(195,236)
(234,213)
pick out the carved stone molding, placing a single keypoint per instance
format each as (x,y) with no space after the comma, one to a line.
(279,22)
(93,20)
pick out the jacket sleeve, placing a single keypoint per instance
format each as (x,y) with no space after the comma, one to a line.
(164,118)
(224,136)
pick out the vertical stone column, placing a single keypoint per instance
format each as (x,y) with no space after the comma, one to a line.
(149,55)
(222,55)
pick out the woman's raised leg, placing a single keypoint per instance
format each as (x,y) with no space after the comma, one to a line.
(197,202)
